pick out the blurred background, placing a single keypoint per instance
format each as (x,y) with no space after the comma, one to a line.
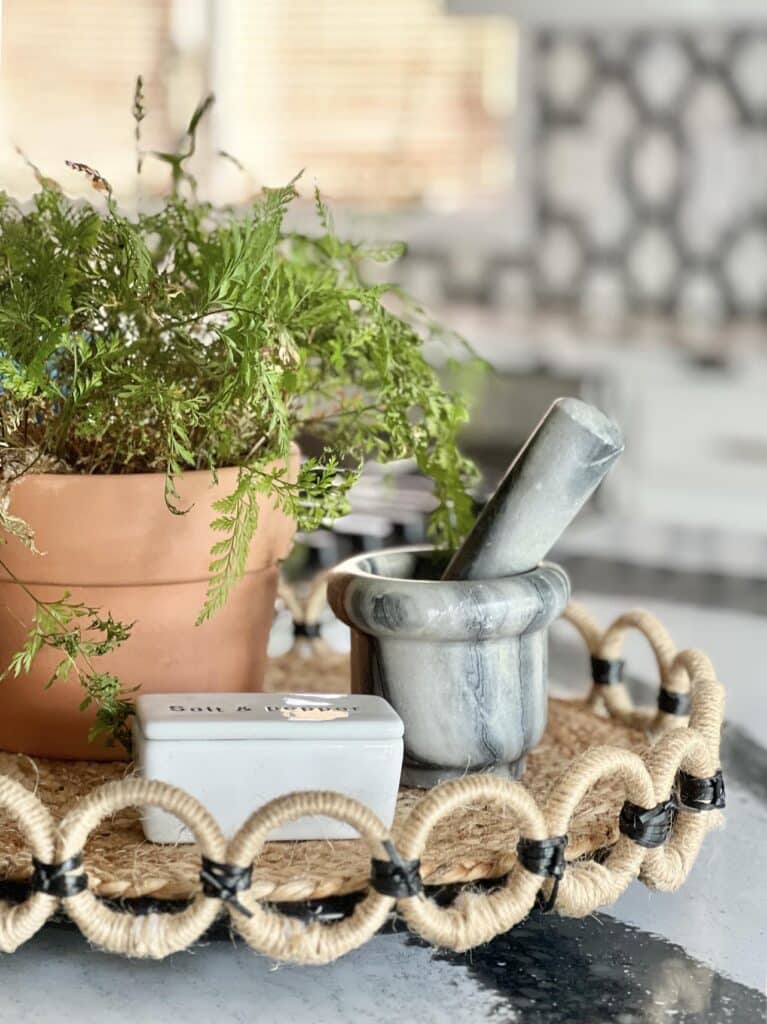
(582,186)
(583,191)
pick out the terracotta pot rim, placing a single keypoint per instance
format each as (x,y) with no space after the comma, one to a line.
(31,474)
(115,528)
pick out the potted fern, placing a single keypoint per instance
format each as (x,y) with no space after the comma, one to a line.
(155,373)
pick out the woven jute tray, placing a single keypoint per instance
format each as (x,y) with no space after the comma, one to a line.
(599,756)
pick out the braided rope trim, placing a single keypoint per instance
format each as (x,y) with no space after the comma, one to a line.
(677,746)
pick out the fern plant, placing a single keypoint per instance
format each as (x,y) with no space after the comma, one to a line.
(195,337)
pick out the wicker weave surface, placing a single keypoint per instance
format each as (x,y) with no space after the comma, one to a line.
(474,842)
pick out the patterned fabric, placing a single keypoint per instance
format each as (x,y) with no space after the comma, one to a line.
(648,173)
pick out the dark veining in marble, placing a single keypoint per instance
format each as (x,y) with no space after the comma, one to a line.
(388,611)
(462,662)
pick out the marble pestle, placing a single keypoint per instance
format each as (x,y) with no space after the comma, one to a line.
(565,459)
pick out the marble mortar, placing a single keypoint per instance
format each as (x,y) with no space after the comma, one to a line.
(463,662)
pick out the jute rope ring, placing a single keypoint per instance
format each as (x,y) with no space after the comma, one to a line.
(585,623)
(707,699)
(663,647)
(151,935)
(473,917)
(307,612)
(617,698)
(666,867)
(287,938)
(608,646)
(19,923)
(694,750)
(588,885)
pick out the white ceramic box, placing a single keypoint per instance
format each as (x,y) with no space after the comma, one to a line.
(235,752)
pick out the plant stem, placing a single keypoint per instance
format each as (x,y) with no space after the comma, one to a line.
(46,606)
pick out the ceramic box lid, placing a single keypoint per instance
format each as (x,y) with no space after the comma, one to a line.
(266,716)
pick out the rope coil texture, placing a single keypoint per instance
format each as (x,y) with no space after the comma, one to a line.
(682,758)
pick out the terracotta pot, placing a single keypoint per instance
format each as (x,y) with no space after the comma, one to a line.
(112,543)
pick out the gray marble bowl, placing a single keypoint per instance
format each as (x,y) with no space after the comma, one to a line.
(463,662)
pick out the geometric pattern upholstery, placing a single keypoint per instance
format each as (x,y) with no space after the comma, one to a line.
(650,171)
(648,183)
